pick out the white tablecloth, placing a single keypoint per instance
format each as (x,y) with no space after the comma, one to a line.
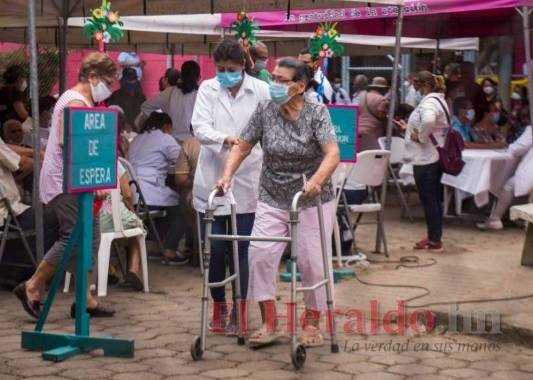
(486,170)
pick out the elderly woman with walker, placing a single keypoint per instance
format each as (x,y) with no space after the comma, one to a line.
(300,152)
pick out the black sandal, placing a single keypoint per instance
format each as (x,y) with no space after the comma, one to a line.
(33,308)
(134,281)
(100,311)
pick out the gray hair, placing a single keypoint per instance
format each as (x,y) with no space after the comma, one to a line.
(255,46)
(360,82)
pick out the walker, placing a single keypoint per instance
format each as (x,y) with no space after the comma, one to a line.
(298,351)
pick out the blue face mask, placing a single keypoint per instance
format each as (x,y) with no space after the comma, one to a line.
(495,117)
(229,80)
(419,97)
(260,64)
(279,93)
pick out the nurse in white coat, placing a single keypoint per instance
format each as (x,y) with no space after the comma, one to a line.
(223,107)
(520,184)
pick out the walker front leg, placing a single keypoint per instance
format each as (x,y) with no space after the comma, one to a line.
(236,268)
(298,353)
(199,343)
(330,317)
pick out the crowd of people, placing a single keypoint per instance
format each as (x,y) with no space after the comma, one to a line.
(264,136)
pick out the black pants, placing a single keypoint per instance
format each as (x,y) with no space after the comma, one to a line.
(172,227)
(427,179)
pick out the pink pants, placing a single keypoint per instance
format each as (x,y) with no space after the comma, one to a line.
(264,257)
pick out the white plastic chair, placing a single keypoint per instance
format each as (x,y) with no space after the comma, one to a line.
(104,251)
(397,149)
(370,170)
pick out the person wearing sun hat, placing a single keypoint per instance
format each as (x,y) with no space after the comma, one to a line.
(374,108)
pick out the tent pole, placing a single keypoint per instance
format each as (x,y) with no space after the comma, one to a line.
(394,99)
(36,141)
(526,11)
(63,47)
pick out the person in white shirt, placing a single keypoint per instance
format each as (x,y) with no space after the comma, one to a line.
(325,91)
(152,153)
(520,184)
(223,107)
(426,128)
(178,101)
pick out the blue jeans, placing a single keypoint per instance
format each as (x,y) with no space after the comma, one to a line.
(222,251)
(427,179)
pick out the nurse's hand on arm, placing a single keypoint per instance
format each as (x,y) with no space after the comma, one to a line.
(240,150)
(313,187)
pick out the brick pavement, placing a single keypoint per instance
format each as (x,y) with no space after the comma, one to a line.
(164,322)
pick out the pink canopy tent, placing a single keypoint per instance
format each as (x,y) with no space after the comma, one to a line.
(429,19)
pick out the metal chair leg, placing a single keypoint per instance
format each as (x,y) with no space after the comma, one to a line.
(405,206)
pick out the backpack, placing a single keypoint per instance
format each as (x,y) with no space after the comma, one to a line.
(450,154)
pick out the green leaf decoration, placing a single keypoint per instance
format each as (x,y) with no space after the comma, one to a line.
(323,43)
(103,24)
(245,28)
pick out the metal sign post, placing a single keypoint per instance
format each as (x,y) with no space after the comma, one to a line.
(90,163)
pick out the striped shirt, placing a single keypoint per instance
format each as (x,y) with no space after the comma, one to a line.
(51,180)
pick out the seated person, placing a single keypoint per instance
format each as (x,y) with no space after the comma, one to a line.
(10,162)
(46,108)
(519,124)
(152,153)
(463,117)
(485,132)
(520,184)
(129,220)
(12,132)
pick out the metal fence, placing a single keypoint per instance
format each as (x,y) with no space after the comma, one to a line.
(48,66)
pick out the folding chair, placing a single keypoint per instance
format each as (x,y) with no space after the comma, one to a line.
(396,158)
(141,208)
(12,230)
(369,170)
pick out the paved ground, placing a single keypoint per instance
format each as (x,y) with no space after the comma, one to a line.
(164,322)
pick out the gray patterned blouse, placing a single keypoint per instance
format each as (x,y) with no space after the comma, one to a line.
(290,148)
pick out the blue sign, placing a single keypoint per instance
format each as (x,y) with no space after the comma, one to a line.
(345,119)
(90,149)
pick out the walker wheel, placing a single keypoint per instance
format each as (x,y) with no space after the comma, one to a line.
(298,356)
(196,349)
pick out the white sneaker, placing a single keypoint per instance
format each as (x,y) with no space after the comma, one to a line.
(490,224)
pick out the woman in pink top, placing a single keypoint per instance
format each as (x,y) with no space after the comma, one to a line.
(96,75)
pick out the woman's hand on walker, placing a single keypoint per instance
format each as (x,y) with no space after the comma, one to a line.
(224,184)
(312,189)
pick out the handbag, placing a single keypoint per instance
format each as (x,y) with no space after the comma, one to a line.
(450,154)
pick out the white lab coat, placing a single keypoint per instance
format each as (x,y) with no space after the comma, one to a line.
(217,115)
(152,154)
(523,147)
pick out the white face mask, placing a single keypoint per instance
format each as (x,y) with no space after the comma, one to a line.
(100,92)
(470,115)
(406,83)
(489,90)
(24,85)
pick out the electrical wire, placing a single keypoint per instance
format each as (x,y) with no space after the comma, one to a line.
(414,262)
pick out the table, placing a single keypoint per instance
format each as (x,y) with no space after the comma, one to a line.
(486,170)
